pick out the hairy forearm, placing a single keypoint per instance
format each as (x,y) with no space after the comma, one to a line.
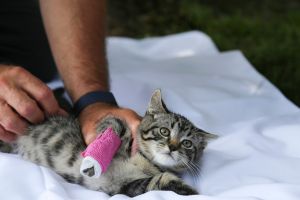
(76,32)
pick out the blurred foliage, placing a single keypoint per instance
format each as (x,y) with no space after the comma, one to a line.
(266,31)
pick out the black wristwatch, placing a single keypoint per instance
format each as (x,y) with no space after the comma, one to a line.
(91,98)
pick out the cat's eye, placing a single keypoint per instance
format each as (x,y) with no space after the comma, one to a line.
(187,143)
(164,131)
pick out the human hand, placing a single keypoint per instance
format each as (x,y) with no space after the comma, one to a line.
(92,114)
(24,99)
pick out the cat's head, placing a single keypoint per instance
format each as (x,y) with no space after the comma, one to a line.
(168,139)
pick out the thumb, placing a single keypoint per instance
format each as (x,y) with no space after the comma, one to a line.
(88,133)
(89,137)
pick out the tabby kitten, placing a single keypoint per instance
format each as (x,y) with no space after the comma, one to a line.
(168,144)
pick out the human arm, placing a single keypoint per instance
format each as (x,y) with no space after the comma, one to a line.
(76,32)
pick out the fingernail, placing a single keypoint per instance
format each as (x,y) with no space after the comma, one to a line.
(89,138)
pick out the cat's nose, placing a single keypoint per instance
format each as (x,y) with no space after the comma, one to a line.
(173,147)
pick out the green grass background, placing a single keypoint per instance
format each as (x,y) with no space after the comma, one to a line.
(266,31)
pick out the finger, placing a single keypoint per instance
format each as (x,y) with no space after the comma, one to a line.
(11,121)
(89,137)
(134,147)
(133,125)
(6,136)
(134,128)
(133,120)
(88,132)
(62,112)
(24,105)
(42,94)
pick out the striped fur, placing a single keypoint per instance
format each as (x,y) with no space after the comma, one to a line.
(168,143)
(5,148)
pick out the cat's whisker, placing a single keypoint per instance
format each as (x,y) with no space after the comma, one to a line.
(195,169)
(195,176)
(192,171)
(195,166)
(192,168)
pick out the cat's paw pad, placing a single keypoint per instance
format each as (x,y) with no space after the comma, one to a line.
(179,188)
(89,171)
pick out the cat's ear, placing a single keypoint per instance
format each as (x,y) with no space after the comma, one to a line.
(209,136)
(156,105)
(206,138)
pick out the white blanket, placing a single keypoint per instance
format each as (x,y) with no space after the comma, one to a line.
(257,155)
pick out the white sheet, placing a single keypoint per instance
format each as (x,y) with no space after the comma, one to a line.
(257,155)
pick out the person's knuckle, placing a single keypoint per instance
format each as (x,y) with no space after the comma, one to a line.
(28,109)
(44,94)
(18,71)
(9,124)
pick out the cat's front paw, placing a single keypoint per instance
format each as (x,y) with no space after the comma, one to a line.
(110,121)
(180,188)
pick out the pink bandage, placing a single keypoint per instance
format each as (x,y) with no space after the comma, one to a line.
(103,148)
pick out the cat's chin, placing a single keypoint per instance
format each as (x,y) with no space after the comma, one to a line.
(164,160)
